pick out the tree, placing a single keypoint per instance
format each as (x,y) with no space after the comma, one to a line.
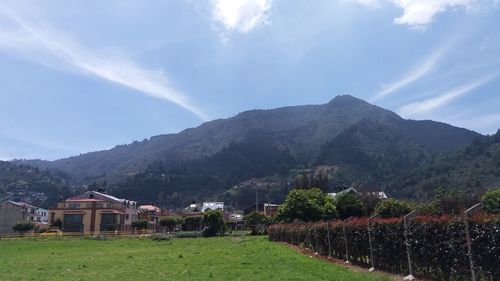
(349,205)
(257,222)
(213,223)
(170,222)
(491,201)
(307,205)
(23,227)
(57,223)
(391,208)
(140,224)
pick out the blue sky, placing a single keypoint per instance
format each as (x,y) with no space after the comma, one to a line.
(81,76)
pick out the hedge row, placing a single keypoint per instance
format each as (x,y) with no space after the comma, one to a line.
(437,244)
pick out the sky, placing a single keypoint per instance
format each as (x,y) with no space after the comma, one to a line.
(80,76)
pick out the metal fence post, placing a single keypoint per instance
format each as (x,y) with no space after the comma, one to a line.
(470,212)
(405,219)
(370,242)
(345,242)
(329,241)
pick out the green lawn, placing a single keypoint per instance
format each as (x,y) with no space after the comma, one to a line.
(227,258)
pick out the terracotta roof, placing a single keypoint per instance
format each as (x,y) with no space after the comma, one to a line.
(149,208)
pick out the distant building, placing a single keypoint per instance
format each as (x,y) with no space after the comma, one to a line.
(93,212)
(41,216)
(265,208)
(12,212)
(379,194)
(150,213)
(212,206)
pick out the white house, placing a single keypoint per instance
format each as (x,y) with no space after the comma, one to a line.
(212,206)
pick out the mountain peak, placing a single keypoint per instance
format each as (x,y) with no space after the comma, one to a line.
(346,100)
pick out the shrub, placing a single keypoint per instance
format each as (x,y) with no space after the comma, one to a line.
(23,227)
(491,201)
(257,222)
(213,223)
(307,205)
(392,208)
(57,223)
(159,237)
(169,223)
(192,223)
(188,234)
(140,224)
(437,244)
(349,205)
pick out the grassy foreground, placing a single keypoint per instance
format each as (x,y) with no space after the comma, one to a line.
(226,258)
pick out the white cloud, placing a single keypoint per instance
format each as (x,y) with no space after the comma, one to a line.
(241,15)
(415,74)
(420,14)
(427,105)
(43,44)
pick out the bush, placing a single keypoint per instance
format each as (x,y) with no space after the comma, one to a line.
(257,222)
(159,237)
(307,205)
(392,208)
(140,224)
(188,234)
(23,227)
(437,244)
(170,222)
(57,223)
(491,201)
(349,205)
(192,223)
(213,223)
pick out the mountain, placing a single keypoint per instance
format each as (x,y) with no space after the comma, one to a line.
(301,130)
(470,170)
(32,185)
(370,146)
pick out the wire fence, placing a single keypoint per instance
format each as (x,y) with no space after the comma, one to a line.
(429,247)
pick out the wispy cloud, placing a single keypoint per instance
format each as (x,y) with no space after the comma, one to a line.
(415,74)
(419,14)
(430,104)
(43,44)
(241,15)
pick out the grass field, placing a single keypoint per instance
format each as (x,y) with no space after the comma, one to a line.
(227,258)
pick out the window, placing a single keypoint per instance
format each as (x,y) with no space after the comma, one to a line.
(126,216)
(89,205)
(109,205)
(99,205)
(74,205)
(52,217)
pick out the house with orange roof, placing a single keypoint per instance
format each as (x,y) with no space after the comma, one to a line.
(93,212)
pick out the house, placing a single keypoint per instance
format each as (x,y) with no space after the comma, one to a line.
(150,213)
(212,206)
(93,212)
(41,216)
(380,194)
(12,212)
(267,209)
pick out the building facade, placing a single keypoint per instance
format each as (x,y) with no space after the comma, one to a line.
(94,212)
(12,212)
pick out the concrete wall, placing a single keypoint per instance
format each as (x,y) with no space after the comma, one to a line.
(10,214)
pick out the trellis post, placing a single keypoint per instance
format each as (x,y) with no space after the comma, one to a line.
(470,212)
(345,242)
(328,237)
(370,243)
(407,242)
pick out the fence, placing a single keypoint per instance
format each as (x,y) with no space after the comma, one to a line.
(437,245)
